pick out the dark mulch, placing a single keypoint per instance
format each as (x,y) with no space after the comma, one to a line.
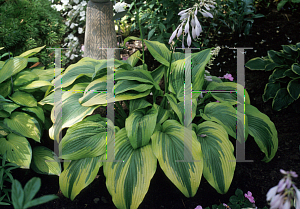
(258,177)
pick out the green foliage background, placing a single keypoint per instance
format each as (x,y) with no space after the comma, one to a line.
(27,24)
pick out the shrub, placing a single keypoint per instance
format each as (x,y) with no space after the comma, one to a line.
(28,24)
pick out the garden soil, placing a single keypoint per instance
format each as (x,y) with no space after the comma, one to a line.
(268,33)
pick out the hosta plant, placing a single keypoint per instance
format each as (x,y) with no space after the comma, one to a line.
(284,83)
(22,120)
(152,132)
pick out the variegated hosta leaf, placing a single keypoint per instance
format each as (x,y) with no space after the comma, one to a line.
(158,73)
(140,126)
(78,174)
(199,61)
(263,131)
(45,161)
(179,108)
(177,75)
(294,88)
(95,93)
(137,104)
(159,51)
(162,114)
(197,67)
(128,178)
(134,58)
(31,52)
(101,67)
(168,146)
(35,85)
(74,71)
(24,78)
(18,150)
(125,85)
(12,67)
(225,115)
(24,99)
(72,111)
(24,125)
(219,160)
(84,139)
(131,95)
(136,75)
(230,97)
(46,75)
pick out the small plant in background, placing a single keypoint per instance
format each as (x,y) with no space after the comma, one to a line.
(21,117)
(236,201)
(238,15)
(29,24)
(74,13)
(285,194)
(23,198)
(283,2)
(5,177)
(284,83)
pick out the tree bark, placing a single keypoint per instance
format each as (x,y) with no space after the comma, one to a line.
(100,30)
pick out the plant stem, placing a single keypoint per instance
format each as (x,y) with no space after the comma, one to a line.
(167,74)
(138,19)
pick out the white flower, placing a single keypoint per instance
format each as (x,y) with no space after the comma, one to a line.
(119,7)
(189,40)
(72,25)
(206,14)
(179,31)
(65,2)
(72,57)
(57,7)
(82,18)
(208,78)
(82,14)
(80,30)
(70,36)
(83,3)
(187,27)
(75,7)
(67,23)
(76,1)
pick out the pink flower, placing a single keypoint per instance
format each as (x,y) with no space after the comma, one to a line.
(228,76)
(250,197)
(217,101)
(82,48)
(226,206)
(199,207)
(124,58)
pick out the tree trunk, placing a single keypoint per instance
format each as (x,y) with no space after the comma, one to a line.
(100,30)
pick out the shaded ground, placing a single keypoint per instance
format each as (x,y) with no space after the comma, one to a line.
(257,177)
